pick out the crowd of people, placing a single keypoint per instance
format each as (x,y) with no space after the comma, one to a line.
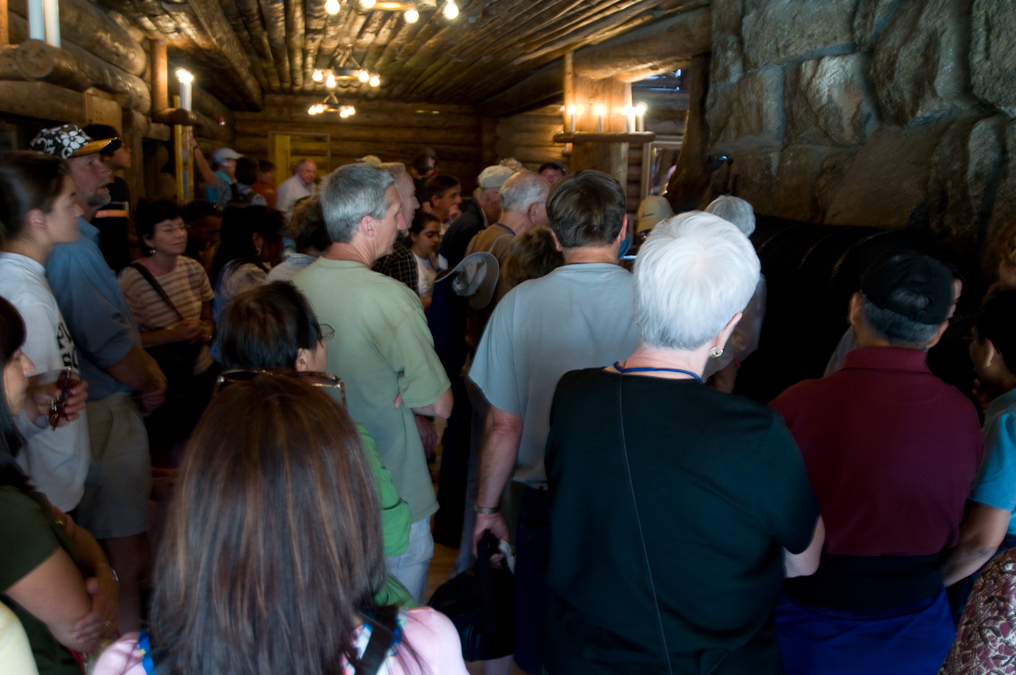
(214,450)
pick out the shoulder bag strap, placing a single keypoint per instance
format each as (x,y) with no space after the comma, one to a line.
(638,522)
(143,271)
(382,635)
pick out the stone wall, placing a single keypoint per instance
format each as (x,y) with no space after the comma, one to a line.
(895,113)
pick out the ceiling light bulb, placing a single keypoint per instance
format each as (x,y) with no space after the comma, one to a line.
(367,4)
(375,80)
(412,16)
(317,76)
(364,76)
(332,6)
(451,10)
(330,82)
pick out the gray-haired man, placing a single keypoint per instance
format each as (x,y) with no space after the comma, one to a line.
(383,349)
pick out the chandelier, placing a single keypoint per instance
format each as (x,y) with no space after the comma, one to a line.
(411,8)
(341,76)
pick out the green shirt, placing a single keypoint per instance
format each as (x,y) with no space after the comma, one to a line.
(394,522)
(382,348)
(29,534)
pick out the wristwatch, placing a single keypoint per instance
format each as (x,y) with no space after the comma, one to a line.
(486,510)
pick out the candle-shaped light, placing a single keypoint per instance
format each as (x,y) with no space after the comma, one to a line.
(186,78)
(367,4)
(317,76)
(411,16)
(451,10)
(571,118)
(36,20)
(629,119)
(332,7)
(598,111)
(330,82)
(374,80)
(363,76)
(51,12)
(640,119)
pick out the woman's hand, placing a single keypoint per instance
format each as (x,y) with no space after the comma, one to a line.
(41,395)
(188,330)
(101,622)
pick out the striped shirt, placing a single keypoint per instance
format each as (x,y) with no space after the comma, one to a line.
(187,286)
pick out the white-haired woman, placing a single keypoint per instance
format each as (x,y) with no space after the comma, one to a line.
(676,511)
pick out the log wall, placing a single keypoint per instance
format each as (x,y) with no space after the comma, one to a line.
(395,132)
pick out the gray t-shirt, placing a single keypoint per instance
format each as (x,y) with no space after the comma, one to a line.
(578,316)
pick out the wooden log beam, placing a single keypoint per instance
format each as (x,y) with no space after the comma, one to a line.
(5,37)
(160,75)
(22,98)
(235,19)
(295,42)
(250,13)
(680,37)
(88,26)
(212,19)
(78,69)
(676,39)
(274,13)
(545,83)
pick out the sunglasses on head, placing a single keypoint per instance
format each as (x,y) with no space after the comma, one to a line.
(314,379)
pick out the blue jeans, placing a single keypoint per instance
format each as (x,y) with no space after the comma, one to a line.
(411,566)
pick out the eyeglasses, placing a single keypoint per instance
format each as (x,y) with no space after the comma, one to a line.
(314,379)
(327,332)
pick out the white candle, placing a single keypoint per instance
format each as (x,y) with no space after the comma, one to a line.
(51,12)
(185,78)
(36,21)
(629,119)
(571,118)
(599,118)
(640,112)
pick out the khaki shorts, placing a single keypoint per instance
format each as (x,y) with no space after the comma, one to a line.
(119,480)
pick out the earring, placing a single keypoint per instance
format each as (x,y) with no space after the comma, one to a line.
(257,250)
(716,352)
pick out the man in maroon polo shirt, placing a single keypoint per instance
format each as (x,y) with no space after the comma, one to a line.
(891,452)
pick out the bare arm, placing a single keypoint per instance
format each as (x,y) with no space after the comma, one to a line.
(54,593)
(139,371)
(199,160)
(502,435)
(805,563)
(442,407)
(101,585)
(981,535)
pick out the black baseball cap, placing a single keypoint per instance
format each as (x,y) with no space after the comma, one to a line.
(921,275)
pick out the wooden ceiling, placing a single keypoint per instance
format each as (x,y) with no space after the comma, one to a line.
(241,50)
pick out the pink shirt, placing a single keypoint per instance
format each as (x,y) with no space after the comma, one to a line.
(430,634)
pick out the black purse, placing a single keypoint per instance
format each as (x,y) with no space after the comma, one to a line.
(481,604)
(176,359)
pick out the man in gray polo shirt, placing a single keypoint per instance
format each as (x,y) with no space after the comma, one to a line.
(581,315)
(115,505)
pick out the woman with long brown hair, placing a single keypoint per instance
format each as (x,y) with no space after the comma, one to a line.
(273,552)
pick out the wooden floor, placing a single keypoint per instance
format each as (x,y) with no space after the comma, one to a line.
(442,565)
